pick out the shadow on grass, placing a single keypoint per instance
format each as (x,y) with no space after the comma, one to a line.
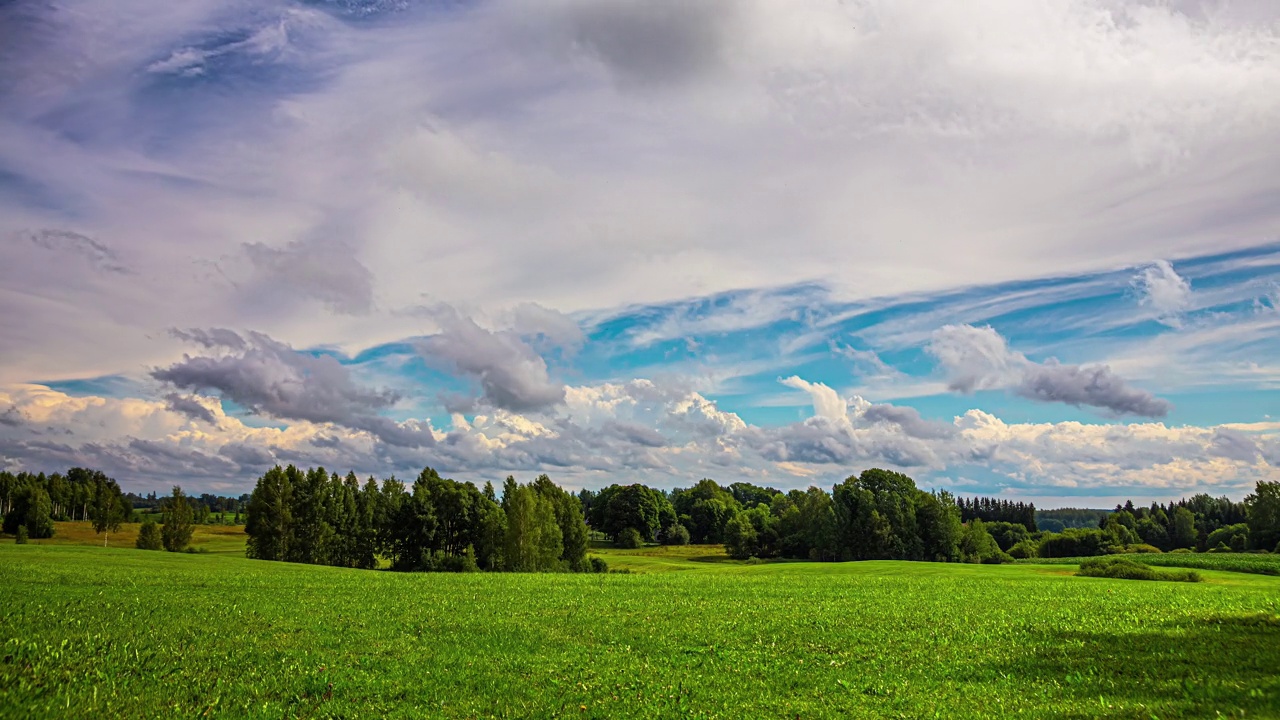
(1226,665)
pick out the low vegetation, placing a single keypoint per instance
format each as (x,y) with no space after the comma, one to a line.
(1125,569)
(94,632)
(1256,563)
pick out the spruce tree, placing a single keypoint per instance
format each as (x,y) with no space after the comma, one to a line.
(269,517)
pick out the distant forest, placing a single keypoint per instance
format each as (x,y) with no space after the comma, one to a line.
(434,523)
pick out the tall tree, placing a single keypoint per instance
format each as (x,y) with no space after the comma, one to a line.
(177,521)
(270,520)
(1264,515)
(107,511)
(38,516)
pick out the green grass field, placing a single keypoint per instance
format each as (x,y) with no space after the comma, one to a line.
(93,632)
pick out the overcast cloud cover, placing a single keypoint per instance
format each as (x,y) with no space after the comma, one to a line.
(1009,246)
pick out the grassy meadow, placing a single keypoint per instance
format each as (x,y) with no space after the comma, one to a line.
(117,632)
(217,539)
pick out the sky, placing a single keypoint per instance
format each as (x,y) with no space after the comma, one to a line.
(1020,248)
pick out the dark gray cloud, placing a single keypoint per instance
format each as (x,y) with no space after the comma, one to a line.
(636,434)
(323,270)
(824,441)
(980,359)
(1233,445)
(511,374)
(246,455)
(268,377)
(652,42)
(909,420)
(1095,386)
(190,407)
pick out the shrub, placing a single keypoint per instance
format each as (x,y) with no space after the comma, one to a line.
(676,534)
(1181,551)
(149,536)
(598,565)
(1221,548)
(1142,548)
(1126,569)
(1025,549)
(21,535)
(997,558)
(628,538)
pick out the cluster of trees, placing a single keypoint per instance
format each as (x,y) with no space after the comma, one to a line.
(436,524)
(878,515)
(178,520)
(883,515)
(998,510)
(1201,523)
(30,503)
(206,509)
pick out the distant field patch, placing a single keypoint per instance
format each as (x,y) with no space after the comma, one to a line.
(218,539)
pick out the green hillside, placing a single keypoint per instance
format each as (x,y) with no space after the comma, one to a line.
(93,632)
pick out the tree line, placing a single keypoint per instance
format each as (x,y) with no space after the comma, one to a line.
(436,523)
(877,515)
(30,503)
(881,514)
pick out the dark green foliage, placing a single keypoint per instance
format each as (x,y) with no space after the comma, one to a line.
(675,535)
(269,520)
(108,508)
(598,565)
(20,536)
(628,538)
(748,496)
(978,546)
(705,510)
(1263,508)
(1233,537)
(436,525)
(149,536)
(573,528)
(178,521)
(938,519)
(1025,549)
(752,533)
(881,515)
(996,510)
(1007,534)
(1076,542)
(534,540)
(1126,569)
(36,500)
(632,506)
(37,518)
(1182,529)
